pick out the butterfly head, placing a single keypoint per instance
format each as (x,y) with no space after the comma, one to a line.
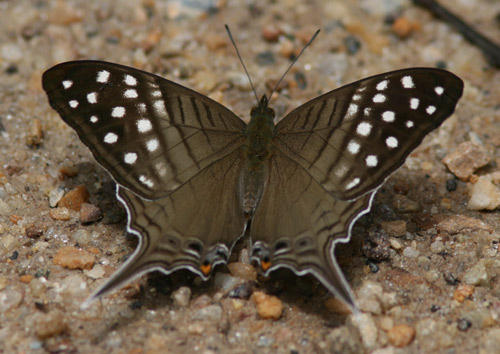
(263,109)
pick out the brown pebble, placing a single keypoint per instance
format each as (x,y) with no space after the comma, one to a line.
(455,224)
(34,231)
(287,49)
(74,198)
(151,40)
(89,213)
(215,41)
(271,33)
(467,158)
(49,324)
(74,258)
(35,134)
(403,27)
(401,335)
(394,228)
(337,306)
(60,214)
(268,306)
(15,219)
(68,171)
(242,270)
(26,278)
(462,292)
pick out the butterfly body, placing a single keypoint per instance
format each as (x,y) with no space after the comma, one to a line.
(194,178)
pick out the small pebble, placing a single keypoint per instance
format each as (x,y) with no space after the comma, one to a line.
(403,27)
(271,33)
(490,341)
(243,291)
(401,335)
(74,258)
(450,278)
(367,329)
(89,213)
(463,324)
(467,158)
(74,198)
(97,272)
(286,49)
(386,323)
(181,296)
(35,134)
(437,246)
(265,58)
(484,194)
(26,278)
(477,275)
(343,339)
(451,185)
(404,204)
(268,306)
(62,214)
(34,231)
(81,236)
(49,324)
(10,298)
(411,252)
(395,244)
(352,44)
(455,224)
(68,171)
(211,313)
(215,41)
(55,196)
(395,228)
(242,270)
(225,282)
(462,292)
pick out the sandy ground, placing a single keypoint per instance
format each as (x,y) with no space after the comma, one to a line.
(424,266)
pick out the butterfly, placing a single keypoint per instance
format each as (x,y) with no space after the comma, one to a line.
(194,178)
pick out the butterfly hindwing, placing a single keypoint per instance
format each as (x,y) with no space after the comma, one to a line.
(152,135)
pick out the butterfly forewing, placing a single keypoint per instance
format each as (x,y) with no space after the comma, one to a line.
(352,138)
(151,134)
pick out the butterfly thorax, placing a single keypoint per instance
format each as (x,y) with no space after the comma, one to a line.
(259,133)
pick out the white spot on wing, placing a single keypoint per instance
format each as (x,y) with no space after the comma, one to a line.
(382,85)
(160,107)
(414,102)
(341,171)
(353,108)
(152,145)
(130,80)
(118,112)
(141,107)
(407,82)
(161,169)
(130,93)
(371,161)
(67,84)
(356,97)
(110,138)
(144,125)
(388,116)
(409,123)
(364,128)
(130,158)
(92,97)
(430,110)
(94,119)
(439,90)
(102,76)
(391,142)
(367,111)
(146,181)
(156,93)
(73,103)
(353,183)
(379,98)
(353,147)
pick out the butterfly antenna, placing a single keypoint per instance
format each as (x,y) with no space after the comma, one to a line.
(241,61)
(293,62)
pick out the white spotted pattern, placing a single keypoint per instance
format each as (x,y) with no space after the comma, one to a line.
(94,119)
(118,112)
(67,84)
(409,124)
(160,107)
(391,142)
(130,80)
(353,183)
(92,97)
(414,102)
(141,107)
(156,93)
(110,138)
(144,125)
(388,116)
(356,97)
(130,158)
(161,169)
(371,161)
(353,147)
(367,111)
(430,110)
(102,76)
(73,103)
(439,90)
(352,110)
(130,93)
(152,145)
(341,170)
(407,82)
(364,128)
(382,85)
(379,98)
(146,181)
